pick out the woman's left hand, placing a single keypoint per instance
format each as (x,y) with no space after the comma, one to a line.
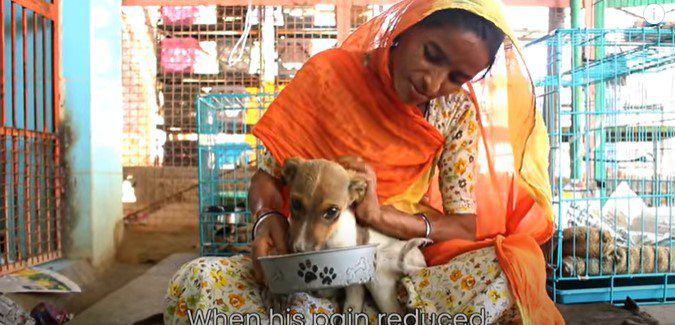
(368,210)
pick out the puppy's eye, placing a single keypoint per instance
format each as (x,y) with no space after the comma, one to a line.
(296,205)
(331,213)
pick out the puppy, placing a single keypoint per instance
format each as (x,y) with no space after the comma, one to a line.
(580,240)
(637,259)
(577,266)
(322,193)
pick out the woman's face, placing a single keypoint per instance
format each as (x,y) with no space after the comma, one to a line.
(430,62)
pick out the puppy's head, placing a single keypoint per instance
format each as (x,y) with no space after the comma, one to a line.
(320,191)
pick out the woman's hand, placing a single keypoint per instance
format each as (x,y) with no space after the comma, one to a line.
(270,239)
(368,210)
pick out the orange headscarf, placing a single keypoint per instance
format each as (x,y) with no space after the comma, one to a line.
(342,102)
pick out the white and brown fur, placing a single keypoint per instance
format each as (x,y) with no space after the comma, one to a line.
(580,242)
(316,187)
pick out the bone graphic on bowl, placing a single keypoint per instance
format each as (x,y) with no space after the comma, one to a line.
(278,276)
(358,270)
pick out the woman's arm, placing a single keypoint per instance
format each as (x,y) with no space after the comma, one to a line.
(457,165)
(270,239)
(395,223)
(264,193)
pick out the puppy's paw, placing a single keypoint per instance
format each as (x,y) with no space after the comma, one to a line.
(415,243)
(352,308)
(275,302)
(411,259)
(354,295)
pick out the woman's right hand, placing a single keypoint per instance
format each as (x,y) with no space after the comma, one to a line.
(270,239)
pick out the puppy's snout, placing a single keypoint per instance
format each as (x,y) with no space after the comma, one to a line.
(300,241)
(299,246)
(303,246)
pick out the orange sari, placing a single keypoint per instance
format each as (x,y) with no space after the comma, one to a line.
(339,104)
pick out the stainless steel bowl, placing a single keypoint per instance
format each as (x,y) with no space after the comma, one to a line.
(335,268)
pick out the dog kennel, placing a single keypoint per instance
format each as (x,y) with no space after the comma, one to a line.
(227,155)
(607,99)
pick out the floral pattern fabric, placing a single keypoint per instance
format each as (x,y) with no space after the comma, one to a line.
(455,117)
(470,283)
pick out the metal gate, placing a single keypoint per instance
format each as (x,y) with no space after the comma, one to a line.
(30,221)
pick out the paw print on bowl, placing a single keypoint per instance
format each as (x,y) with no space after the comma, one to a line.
(307,271)
(327,275)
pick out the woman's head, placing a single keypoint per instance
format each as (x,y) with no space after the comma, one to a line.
(442,52)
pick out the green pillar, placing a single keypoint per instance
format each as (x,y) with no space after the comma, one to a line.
(599,149)
(575,129)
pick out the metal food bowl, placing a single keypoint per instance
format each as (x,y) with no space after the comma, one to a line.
(231,218)
(335,268)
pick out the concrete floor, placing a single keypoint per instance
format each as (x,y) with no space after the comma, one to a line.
(664,314)
(138,299)
(605,314)
(143,246)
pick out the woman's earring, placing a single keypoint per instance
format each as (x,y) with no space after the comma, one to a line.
(394,45)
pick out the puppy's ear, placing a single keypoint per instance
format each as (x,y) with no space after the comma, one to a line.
(291,166)
(357,189)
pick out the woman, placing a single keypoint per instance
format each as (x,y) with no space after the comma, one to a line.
(396,103)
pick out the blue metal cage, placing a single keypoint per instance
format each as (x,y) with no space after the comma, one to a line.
(607,99)
(227,155)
